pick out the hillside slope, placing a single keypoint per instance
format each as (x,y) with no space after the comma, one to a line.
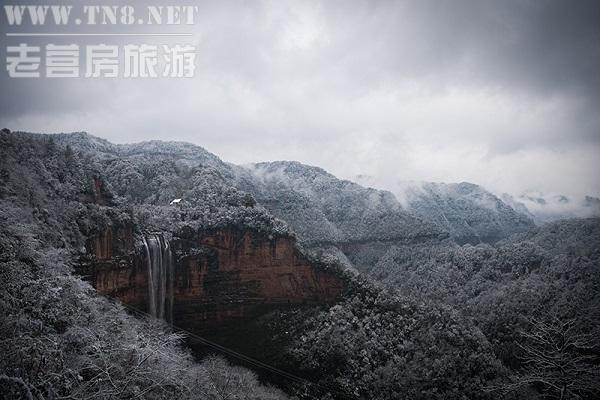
(324,209)
(59,338)
(470,213)
(434,320)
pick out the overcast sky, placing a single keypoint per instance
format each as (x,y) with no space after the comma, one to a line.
(501,93)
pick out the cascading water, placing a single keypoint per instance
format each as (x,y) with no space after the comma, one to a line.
(159,263)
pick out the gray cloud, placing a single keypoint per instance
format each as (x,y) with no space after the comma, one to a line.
(504,94)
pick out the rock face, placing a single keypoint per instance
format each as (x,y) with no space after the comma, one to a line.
(113,267)
(218,276)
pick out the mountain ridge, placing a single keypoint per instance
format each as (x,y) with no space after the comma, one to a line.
(315,190)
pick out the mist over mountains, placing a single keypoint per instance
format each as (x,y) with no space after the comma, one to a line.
(545,208)
(323,209)
(537,206)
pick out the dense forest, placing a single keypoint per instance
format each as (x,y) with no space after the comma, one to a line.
(59,339)
(519,319)
(482,308)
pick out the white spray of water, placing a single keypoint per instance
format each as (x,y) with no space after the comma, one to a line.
(159,267)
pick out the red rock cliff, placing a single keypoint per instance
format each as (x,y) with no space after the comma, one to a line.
(220,276)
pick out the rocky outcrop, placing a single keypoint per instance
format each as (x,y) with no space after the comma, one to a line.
(112,265)
(103,244)
(218,276)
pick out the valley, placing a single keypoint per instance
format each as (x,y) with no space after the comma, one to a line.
(342,286)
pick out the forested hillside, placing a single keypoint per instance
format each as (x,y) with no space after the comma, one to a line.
(470,213)
(362,223)
(59,338)
(323,209)
(420,314)
(535,297)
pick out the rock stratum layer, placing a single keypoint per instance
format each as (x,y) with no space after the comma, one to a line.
(218,276)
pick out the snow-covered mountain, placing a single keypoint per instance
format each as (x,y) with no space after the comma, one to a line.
(324,209)
(318,206)
(78,202)
(469,212)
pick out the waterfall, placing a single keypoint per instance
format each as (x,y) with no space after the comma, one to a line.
(159,267)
